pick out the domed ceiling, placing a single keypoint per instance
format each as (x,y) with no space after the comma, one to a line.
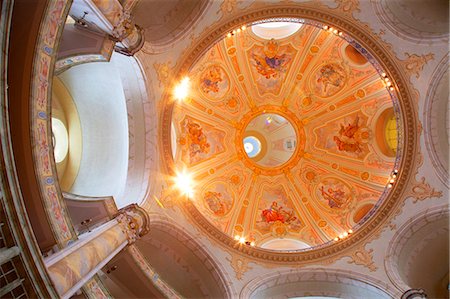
(323,136)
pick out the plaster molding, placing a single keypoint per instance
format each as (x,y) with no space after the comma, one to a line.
(363,257)
(413,64)
(239,265)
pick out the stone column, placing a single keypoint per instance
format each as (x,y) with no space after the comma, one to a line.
(125,32)
(74,265)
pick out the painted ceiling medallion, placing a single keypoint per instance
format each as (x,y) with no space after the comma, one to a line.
(280,135)
(276,143)
(287,139)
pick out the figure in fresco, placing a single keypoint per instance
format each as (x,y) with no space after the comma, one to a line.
(347,141)
(198,142)
(335,197)
(43,148)
(211,79)
(277,213)
(271,64)
(347,146)
(215,203)
(330,79)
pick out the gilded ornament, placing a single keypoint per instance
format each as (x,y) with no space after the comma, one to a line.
(164,73)
(414,63)
(239,265)
(363,257)
(422,190)
(348,6)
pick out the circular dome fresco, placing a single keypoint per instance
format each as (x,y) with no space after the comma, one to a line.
(269,140)
(288,140)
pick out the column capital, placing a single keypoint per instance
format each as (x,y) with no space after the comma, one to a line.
(134,221)
(414,294)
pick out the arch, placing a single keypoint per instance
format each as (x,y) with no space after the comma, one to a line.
(415,21)
(98,93)
(435,115)
(179,242)
(142,137)
(165,23)
(317,282)
(429,230)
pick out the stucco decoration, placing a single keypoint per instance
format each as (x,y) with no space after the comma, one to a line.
(348,6)
(388,63)
(363,257)
(164,72)
(239,265)
(228,6)
(414,63)
(420,189)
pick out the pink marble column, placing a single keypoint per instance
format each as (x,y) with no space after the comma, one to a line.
(126,33)
(73,266)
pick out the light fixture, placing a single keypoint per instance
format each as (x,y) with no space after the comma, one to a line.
(184,182)
(181,91)
(236,31)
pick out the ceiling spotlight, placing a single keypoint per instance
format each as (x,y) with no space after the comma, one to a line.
(252,243)
(181,91)
(236,237)
(350,231)
(229,34)
(243,27)
(242,240)
(345,234)
(336,239)
(184,183)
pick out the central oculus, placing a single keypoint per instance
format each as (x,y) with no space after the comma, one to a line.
(269,140)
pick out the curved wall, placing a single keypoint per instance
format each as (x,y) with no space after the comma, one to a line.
(98,94)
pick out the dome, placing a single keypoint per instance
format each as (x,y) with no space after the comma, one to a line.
(287,138)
